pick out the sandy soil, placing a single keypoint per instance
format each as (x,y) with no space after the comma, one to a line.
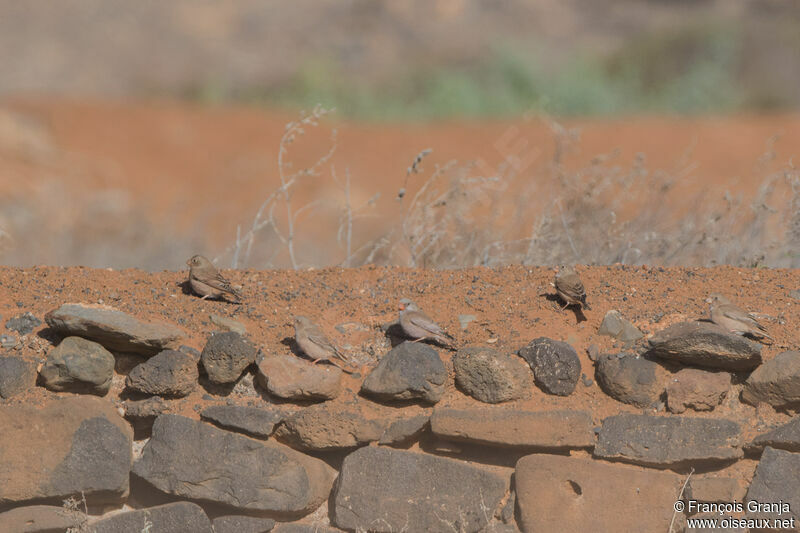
(509,305)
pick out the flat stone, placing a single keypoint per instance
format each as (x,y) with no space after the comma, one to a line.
(242,524)
(707,345)
(511,427)
(168,373)
(228,324)
(668,441)
(692,388)
(776,382)
(226,355)
(24,323)
(555,364)
(197,461)
(64,447)
(179,517)
(557,493)
(78,365)
(714,489)
(141,410)
(387,490)
(410,371)
(614,325)
(326,427)
(40,519)
(115,330)
(785,437)
(630,379)
(404,429)
(292,378)
(304,528)
(253,421)
(776,480)
(16,375)
(490,376)
(464,320)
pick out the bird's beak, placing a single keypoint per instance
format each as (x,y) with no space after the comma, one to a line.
(401,306)
(188,262)
(708,300)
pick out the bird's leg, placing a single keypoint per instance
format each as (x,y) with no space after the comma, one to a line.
(315,361)
(418,340)
(205,297)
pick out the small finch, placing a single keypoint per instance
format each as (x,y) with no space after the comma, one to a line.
(734,318)
(570,287)
(419,326)
(206,281)
(314,343)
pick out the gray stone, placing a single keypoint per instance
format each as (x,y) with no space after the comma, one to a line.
(142,410)
(197,461)
(168,373)
(668,441)
(707,345)
(242,524)
(40,519)
(616,326)
(292,378)
(385,490)
(24,323)
(556,493)
(16,376)
(228,324)
(410,371)
(692,388)
(8,342)
(777,480)
(115,330)
(511,427)
(776,382)
(179,517)
(785,437)
(254,421)
(464,320)
(78,365)
(630,379)
(404,429)
(226,355)
(65,447)
(304,528)
(490,376)
(555,364)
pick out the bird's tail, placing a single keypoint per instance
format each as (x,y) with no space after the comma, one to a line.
(584,303)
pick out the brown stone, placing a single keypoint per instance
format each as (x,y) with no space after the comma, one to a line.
(292,378)
(776,382)
(705,344)
(696,389)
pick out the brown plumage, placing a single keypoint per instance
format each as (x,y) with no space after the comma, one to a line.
(313,342)
(419,326)
(734,318)
(570,287)
(206,281)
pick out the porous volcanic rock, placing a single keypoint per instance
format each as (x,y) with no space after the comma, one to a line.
(511,427)
(410,371)
(168,373)
(226,355)
(242,524)
(179,517)
(692,388)
(555,364)
(65,447)
(16,375)
(115,330)
(254,421)
(630,379)
(556,493)
(40,519)
(705,344)
(489,375)
(78,365)
(197,461)
(785,437)
(668,441)
(777,479)
(290,377)
(776,382)
(384,490)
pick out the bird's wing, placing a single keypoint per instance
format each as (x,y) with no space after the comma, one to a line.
(220,283)
(740,315)
(423,321)
(316,336)
(571,284)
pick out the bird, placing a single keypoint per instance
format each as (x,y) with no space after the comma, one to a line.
(419,326)
(206,281)
(313,342)
(570,287)
(734,318)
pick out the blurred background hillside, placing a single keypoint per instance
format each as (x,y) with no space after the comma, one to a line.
(139,133)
